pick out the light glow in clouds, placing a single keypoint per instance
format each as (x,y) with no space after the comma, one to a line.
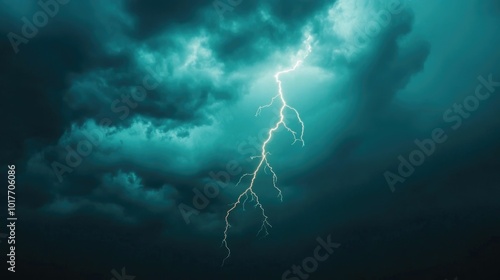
(263,162)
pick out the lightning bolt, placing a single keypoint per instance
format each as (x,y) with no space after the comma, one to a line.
(263,162)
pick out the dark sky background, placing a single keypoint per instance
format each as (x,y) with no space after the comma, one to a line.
(364,100)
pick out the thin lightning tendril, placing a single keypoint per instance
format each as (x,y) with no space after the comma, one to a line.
(263,162)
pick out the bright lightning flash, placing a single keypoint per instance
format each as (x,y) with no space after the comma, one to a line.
(297,137)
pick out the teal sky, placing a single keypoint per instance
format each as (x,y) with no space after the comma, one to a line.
(380,75)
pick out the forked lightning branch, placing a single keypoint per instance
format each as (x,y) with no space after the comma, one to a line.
(263,163)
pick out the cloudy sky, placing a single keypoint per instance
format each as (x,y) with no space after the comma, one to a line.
(130,123)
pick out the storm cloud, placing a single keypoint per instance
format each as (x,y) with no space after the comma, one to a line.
(118,112)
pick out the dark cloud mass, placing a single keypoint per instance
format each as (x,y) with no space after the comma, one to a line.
(119,114)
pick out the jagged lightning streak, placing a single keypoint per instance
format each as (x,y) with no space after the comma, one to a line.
(263,162)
